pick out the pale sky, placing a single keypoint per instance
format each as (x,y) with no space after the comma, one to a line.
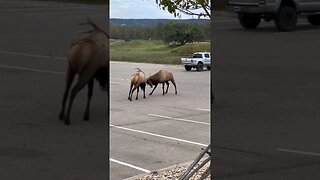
(140,9)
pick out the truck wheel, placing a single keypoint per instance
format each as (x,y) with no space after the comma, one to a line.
(208,67)
(199,67)
(249,21)
(188,68)
(314,19)
(286,19)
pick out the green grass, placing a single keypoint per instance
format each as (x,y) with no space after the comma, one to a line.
(153,51)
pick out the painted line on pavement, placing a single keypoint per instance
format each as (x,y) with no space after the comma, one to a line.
(32,55)
(84,16)
(31,69)
(122,79)
(179,119)
(201,109)
(44,71)
(298,152)
(119,83)
(159,135)
(130,165)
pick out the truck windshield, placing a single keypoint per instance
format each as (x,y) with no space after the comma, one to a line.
(197,56)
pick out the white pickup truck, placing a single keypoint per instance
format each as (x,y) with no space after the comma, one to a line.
(198,60)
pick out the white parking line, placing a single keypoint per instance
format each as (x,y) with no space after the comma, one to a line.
(298,152)
(45,71)
(179,119)
(159,135)
(31,69)
(32,55)
(130,165)
(201,109)
(75,17)
(121,79)
(119,83)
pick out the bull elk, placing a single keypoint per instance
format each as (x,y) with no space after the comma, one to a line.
(87,58)
(161,76)
(138,79)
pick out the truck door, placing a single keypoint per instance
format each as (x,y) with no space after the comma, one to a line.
(308,5)
(207,59)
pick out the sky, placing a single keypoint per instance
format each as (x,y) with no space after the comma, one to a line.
(140,9)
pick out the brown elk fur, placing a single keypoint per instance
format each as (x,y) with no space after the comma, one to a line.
(87,58)
(138,79)
(161,76)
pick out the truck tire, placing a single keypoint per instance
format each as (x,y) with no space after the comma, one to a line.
(188,68)
(314,19)
(199,66)
(249,21)
(286,19)
(208,67)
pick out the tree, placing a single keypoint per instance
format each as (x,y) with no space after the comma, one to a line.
(200,8)
(181,33)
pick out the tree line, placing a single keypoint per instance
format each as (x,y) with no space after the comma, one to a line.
(180,33)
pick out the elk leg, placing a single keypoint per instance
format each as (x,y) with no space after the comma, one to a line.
(134,88)
(85,76)
(69,79)
(153,89)
(175,87)
(167,87)
(131,85)
(143,87)
(137,93)
(163,88)
(90,92)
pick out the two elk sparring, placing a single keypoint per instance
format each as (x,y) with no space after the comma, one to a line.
(87,58)
(161,76)
(138,79)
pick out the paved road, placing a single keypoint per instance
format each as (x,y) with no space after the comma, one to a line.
(266,116)
(34,38)
(158,131)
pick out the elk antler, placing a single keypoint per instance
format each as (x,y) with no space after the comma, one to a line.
(94,26)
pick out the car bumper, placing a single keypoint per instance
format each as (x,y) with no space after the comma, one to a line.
(189,64)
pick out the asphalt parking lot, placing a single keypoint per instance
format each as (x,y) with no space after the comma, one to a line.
(158,131)
(266,111)
(145,135)
(34,39)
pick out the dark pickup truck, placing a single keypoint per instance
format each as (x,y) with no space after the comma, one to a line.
(283,12)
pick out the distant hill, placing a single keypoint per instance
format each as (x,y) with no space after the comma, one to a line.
(153,22)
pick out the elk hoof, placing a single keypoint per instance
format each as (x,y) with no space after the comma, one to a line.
(86,118)
(61,116)
(67,121)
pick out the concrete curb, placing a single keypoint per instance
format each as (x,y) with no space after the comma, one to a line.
(159,170)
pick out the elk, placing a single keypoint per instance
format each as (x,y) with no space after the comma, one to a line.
(161,76)
(87,58)
(138,79)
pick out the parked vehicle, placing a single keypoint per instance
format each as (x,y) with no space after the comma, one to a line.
(283,12)
(198,61)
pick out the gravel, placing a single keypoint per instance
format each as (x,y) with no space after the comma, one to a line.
(174,173)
